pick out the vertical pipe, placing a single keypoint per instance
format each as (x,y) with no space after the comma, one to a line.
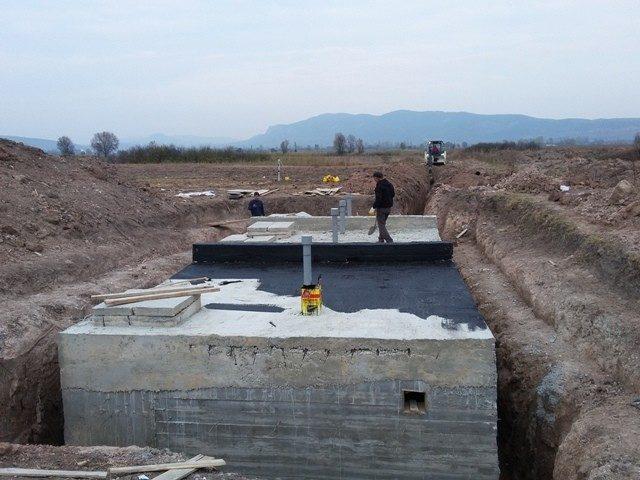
(334,225)
(343,212)
(349,205)
(306,260)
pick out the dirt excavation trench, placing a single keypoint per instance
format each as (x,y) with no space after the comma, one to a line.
(560,295)
(558,292)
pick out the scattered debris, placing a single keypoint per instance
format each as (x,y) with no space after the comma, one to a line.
(238,193)
(298,214)
(465,230)
(205,193)
(323,191)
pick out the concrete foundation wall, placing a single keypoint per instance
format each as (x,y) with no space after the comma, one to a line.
(355,431)
(286,408)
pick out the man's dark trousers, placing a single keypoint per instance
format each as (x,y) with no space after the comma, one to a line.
(381,217)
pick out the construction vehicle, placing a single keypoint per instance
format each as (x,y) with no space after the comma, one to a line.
(435,154)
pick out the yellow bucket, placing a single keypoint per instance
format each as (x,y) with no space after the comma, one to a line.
(311,299)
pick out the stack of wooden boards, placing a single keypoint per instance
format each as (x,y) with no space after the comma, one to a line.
(238,193)
(173,471)
(155,293)
(165,305)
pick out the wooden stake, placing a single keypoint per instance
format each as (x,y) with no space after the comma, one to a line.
(111,302)
(228,222)
(214,462)
(180,474)
(34,472)
(104,296)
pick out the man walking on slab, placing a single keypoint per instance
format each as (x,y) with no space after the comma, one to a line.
(382,205)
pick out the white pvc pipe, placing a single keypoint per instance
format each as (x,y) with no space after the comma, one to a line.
(306,260)
(334,224)
(342,205)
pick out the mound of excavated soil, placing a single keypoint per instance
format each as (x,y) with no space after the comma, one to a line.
(529,180)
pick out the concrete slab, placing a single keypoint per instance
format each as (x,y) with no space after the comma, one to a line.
(403,228)
(261,239)
(147,320)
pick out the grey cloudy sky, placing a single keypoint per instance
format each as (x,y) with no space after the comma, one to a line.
(231,68)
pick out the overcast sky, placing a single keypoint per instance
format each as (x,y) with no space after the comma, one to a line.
(232,68)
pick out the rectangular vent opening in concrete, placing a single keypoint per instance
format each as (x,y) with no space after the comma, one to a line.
(415,403)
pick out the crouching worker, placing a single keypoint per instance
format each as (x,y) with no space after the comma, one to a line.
(256,207)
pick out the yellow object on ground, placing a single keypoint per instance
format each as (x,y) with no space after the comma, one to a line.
(331,179)
(311,299)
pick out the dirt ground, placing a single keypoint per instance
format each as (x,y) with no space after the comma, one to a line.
(555,272)
(556,275)
(98,459)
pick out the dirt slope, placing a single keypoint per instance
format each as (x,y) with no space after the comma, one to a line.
(557,283)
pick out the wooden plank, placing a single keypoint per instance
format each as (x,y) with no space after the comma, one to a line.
(228,222)
(159,296)
(210,463)
(38,473)
(181,473)
(105,296)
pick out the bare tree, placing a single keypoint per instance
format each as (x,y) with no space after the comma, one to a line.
(339,143)
(360,146)
(66,146)
(104,143)
(284,146)
(351,143)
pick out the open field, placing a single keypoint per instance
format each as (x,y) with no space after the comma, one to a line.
(555,274)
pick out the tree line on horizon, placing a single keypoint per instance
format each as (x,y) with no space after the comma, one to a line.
(106,143)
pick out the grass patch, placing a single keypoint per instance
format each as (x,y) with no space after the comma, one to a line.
(171,154)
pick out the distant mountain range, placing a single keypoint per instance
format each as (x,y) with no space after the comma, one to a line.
(406,126)
(416,127)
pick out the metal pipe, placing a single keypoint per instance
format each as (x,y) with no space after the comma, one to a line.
(342,205)
(306,260)
(334,224)
(349,205)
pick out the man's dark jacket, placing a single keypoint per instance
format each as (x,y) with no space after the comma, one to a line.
(384,194)
(256,207)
